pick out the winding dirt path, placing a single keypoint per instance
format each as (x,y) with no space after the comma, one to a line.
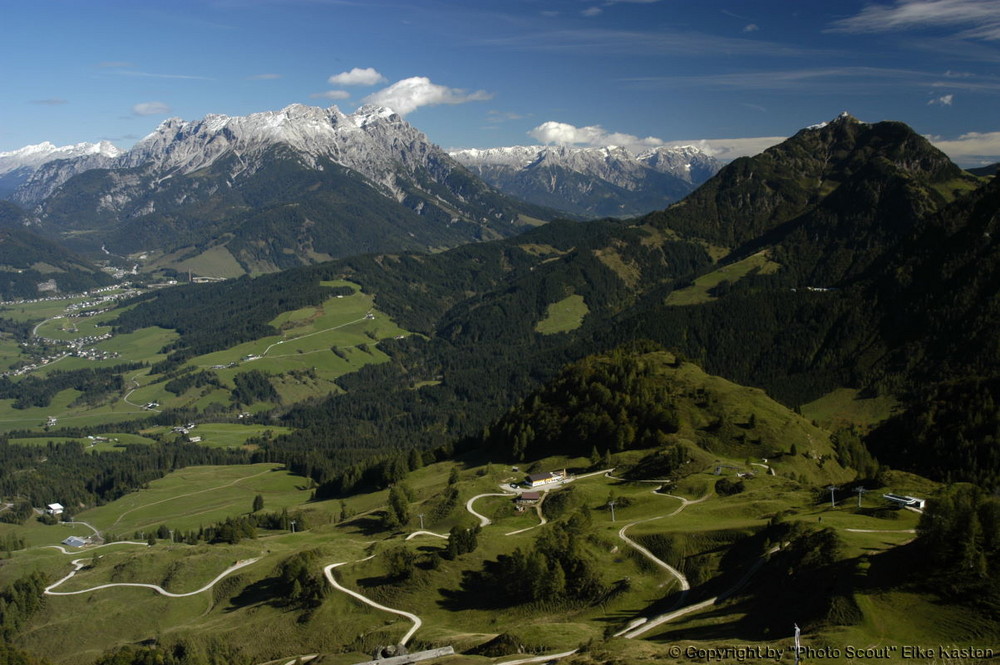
(640,626)
(318,332)
(141,407)
(631,630)
(426,533)
(541,518)
(328,572)
(483,519)
(78,564)
(881,530)
(539,659)
(94,547)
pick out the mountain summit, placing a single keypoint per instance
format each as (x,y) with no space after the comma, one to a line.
(272,190)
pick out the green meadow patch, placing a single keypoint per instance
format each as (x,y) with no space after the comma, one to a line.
(700,291)
(198,496)
(563,316)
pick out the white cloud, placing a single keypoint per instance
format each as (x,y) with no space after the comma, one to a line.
(945,100)
(357,76)
(751,27)
(982,16)
(565,134)
(51,101)
(592,11)
(726,150)
(972,148)
(331,94)
(151,108)
(412,93)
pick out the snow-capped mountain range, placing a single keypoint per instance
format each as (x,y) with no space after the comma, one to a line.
(373,141)
(303,184)
(593,181)
(276,188)
(17,166)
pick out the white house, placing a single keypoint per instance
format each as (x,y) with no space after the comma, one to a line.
(54,509)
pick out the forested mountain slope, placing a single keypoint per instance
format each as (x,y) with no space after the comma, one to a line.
(837,215)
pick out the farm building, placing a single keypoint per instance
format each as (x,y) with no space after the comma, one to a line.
(528,498)
(74,541)
(54,509)
(536,479)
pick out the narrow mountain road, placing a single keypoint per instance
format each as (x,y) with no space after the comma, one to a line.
(881,530)
(683,583)
(539,659)
(640,626)
(318,332)
(291,660)
(137,385)
(426,533)
(89,526)
(328,572)
(483,519)
(78,564)
(541,518)
(681,579)
(94,547)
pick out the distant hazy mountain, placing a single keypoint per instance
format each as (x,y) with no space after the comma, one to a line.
(271,190)
(593,182)
(17,166)
(988,170)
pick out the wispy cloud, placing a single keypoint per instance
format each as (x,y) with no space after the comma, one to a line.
(821,78)
(263,77)
(979,19)
(358,76)
(151,108)
(115,64)
(592,11)
(417,91)
(630,42)
(945,100)
(503,116)
(331,94)
(129,72)
(971,148)
(52,101)
(726,150)
(751,27)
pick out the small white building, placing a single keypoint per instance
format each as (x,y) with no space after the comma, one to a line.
(54,509)
(74,541)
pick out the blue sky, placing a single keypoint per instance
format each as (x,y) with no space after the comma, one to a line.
(738,75)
